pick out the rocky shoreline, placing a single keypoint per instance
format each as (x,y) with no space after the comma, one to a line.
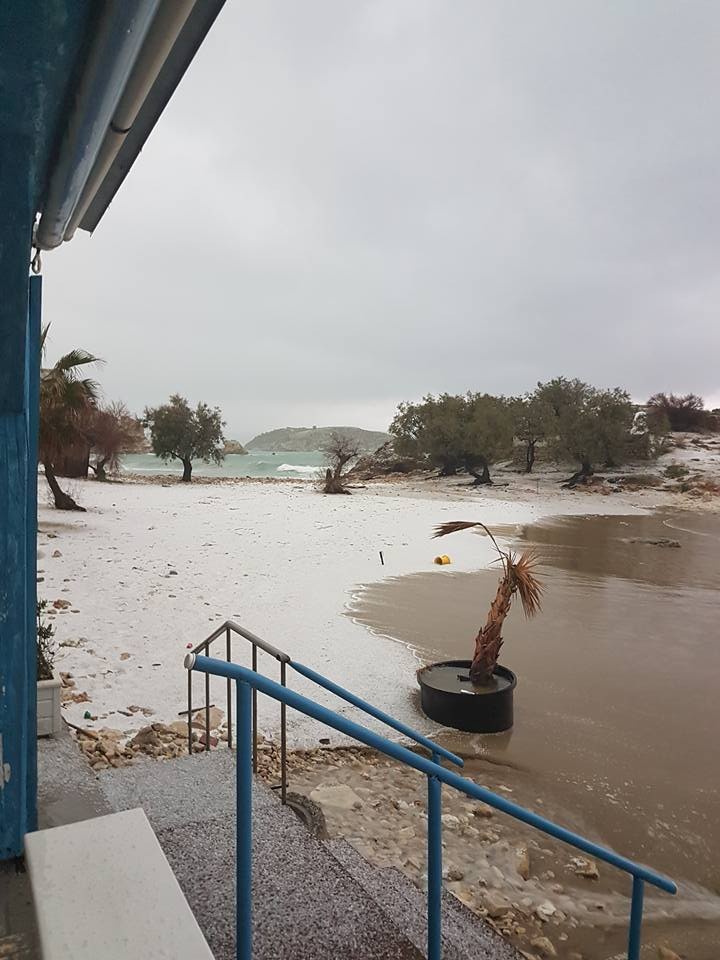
(535,892)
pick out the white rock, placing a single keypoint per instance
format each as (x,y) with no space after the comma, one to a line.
(450,820)
(665,953)
(338,796)
(523,862)
(544,947)
(496,904)
(584,867)
(497,878)
(545,910)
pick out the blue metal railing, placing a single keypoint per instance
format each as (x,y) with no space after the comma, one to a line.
(230,628)
(248,680)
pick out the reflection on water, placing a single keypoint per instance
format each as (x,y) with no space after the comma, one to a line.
(617,708)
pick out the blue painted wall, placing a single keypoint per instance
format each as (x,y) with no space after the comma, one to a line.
(42,45)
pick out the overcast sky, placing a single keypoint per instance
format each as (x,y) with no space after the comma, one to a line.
(349,203)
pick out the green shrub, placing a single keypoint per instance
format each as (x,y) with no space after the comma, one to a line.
(675,471)
(45,644)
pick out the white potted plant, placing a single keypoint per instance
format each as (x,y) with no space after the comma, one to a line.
(49,718)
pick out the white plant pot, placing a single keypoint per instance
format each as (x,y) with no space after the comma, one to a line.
(49,718)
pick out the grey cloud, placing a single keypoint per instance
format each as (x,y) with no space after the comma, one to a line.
(352,203)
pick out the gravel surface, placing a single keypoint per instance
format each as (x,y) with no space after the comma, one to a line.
(305,904)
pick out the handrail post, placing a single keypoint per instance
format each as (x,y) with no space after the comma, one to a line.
(283,738)
(434,868)
(207,707)
(243,923)
(254,712)
(228,649)
(189,713)
(636,912)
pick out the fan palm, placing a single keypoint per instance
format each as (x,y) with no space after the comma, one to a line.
(519,577)
(66,398)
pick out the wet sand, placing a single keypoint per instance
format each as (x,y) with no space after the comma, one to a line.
(617,708)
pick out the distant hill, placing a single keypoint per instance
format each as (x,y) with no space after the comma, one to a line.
(308,439)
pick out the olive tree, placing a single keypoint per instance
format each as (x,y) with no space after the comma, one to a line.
(488,434)
(534,421)
(177,432)
(433,431)
(597,430)
(453,432)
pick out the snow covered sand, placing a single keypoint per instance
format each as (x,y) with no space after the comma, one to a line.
(150,569)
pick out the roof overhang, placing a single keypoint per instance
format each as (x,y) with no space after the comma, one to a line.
(138,53)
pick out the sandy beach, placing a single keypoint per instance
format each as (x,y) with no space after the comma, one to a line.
(152,568)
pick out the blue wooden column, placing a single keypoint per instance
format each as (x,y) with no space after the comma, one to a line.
(19,382)
(40,44)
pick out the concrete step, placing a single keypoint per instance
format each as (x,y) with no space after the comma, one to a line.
(103,888)
(465,936)
(306,905)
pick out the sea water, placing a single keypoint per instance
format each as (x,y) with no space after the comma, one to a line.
(299,465)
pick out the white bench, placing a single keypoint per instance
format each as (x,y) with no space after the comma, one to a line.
(103,890)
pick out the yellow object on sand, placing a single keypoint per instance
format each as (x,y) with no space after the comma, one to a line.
(442,560)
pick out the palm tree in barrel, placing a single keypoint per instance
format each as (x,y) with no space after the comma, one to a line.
(518,576)
(66,399)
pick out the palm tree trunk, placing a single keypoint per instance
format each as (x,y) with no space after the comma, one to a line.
(62,500)
(489,639)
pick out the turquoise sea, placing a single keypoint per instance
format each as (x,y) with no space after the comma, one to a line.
(304,466)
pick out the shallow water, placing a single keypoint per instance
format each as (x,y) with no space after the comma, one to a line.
(617,709)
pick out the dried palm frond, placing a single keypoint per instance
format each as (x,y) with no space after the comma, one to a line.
(522,574)
(453,526)
(442,529)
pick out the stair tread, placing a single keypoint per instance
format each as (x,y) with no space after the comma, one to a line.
(305,904)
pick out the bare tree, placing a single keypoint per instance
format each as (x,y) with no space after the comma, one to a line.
(339,451)
(111,432)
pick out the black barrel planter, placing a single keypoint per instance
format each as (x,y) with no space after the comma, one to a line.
(448,697)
